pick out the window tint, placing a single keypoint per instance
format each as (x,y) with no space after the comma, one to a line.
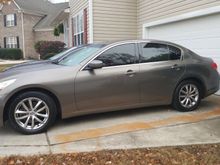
(119,55)
(153,52)
(175,53)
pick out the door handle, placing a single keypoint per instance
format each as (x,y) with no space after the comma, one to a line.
(175,66)
(130,73)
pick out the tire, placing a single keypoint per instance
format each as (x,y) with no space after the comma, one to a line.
(180,98)
(37,119)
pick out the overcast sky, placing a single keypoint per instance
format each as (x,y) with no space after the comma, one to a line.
(57,1)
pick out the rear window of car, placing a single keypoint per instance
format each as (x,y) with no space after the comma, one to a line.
(175,53)
(155,52)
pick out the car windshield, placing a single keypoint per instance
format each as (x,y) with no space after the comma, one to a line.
(59,55)
(79,55)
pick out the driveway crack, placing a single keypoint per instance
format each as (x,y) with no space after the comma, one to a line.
(48,142)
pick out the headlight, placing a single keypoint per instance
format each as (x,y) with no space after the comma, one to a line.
(4,84)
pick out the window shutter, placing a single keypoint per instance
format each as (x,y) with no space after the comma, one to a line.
(85,26)
(4,42)
(15,18)
(72,20)
(5,20)
(18,44)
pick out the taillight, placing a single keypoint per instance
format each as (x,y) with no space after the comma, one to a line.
(214,66)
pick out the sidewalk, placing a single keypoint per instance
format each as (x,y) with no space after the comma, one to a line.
(5,62)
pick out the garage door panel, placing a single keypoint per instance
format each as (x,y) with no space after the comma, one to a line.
(208,43)
(184,36)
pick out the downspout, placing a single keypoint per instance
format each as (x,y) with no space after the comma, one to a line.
(91,21)
(22,28)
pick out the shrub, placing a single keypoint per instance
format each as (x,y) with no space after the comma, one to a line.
(47,56)
(61,28)
(58,30)
(47,48)
(11,54)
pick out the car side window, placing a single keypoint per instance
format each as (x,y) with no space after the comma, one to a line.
(154,52)
(175,53)
(119,55)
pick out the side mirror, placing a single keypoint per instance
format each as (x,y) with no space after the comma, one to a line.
(95,64)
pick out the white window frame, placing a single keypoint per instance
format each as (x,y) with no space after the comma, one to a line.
(78,29)
(10,20)
(11,42)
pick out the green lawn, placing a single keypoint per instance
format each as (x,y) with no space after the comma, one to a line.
(2,67)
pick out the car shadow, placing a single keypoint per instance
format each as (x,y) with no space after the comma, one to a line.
(206,105)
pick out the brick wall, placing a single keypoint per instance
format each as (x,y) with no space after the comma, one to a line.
(29,22)
(10,31)
(47,36)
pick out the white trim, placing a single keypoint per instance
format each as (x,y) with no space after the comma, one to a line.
(194,14)
(17,5)
(91,39)
(23,40)
(1,6)
(42,30)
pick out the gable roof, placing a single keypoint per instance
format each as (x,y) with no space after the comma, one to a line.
(46,9)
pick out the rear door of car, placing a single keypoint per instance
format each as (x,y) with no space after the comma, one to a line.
(114,85)
(161,67)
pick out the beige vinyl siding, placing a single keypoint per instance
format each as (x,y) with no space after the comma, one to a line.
(114,20)
(77,6)
(153,10)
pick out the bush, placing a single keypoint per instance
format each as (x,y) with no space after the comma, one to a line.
(49,48)
(47,56)
(58,30)
(11,54)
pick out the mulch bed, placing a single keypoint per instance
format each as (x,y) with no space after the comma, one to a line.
(183,155)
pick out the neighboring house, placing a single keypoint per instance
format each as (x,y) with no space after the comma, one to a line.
(191,23)
(24,22)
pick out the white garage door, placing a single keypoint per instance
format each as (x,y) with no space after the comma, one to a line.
(202,35)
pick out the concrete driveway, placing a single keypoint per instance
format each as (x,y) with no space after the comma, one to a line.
(137,128)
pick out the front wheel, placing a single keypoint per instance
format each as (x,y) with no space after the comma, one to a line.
(187,96)
(32,112)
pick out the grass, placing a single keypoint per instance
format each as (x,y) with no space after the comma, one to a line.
(2,67)
(183,155)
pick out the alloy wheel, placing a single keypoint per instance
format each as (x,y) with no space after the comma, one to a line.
(189,95)
(31,113)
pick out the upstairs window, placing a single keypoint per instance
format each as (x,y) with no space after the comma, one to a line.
(10,20)
(78,26)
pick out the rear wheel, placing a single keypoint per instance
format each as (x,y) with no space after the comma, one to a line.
(32,112)
(187,96)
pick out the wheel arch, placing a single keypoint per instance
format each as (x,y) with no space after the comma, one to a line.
(32,89)
(196,79)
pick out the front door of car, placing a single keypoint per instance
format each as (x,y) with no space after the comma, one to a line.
(114,85)
(161,67)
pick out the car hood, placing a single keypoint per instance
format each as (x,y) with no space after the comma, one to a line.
(33,62)
(27,68)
